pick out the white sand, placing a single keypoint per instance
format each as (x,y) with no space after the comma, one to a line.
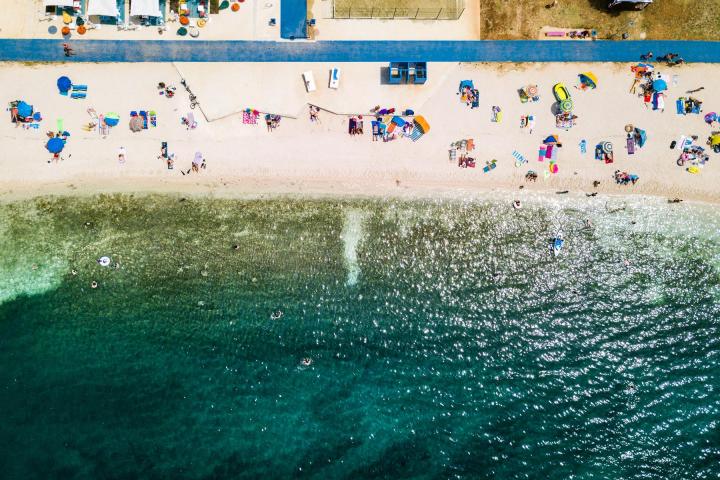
(305,158)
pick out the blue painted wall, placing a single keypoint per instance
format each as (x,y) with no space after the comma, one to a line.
(354,51)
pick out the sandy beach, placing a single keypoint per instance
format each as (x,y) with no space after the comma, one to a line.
(303,157)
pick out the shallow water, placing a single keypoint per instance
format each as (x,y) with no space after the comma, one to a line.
(446,341)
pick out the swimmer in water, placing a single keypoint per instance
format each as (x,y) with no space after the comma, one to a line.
(94,284)
(588,223)
(516,204)
(276,315)
(306,362)
(236,247)
(73,272)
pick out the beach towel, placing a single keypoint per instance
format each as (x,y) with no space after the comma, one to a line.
(583,146)
(490,166)
(153,118)
(249,118)
(541,153)
(144,116)
(519,159)
(630,145)
(416,134)
(59,124)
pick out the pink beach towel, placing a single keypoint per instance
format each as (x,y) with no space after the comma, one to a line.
(249,118)
(541,153)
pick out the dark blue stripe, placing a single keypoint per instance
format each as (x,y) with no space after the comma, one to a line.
(354,51)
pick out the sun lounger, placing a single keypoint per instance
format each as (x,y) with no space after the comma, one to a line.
(416,134)
(309,80)
(144,116)
(680,106)
(541,153)
(334,78)
(519,159)
(153,118)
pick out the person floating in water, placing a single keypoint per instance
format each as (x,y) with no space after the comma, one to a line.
(306,362)
(276,315)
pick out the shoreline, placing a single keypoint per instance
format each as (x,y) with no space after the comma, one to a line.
(269,189)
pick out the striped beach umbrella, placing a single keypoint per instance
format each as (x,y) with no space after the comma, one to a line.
(566,105)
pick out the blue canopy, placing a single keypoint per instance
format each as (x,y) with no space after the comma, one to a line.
(466,84)
(24,110)
(64,84)
(660,85)
(55,145)
(641,137)
(398,121)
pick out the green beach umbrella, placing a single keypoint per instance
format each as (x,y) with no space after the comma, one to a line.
(566,105)
(225,4)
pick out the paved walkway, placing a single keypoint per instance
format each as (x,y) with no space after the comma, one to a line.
(354,51)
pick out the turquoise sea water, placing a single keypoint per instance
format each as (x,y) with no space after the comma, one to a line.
(446,341)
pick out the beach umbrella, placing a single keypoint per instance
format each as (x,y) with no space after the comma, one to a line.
(55,145)
(607,147)
(641,137)
(711,117)
(64,84)
(566,105)
(715,140)
(112,119)
(551,139)
(659,85)
(398,121)
(24,110)
(532,90)
(422,124)
(589,79)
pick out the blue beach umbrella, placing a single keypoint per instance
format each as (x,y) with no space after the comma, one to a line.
(660,85)
(112,119)
(24,110)
(64,84)
(55,145)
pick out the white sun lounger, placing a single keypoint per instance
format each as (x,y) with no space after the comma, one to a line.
(309,81)
(334,78)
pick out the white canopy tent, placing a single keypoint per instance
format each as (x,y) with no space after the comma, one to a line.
(145,8)
(106,8)
(58,3)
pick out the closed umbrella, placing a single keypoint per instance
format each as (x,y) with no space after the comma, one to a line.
(112,119)
(55,145)
(64,84)
(659,85)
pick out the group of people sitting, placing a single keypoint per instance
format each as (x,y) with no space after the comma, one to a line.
(167,90)
(355,125)
(272,121)
(466,162)
(625,178)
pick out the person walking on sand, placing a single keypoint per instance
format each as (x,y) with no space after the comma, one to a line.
(121,155)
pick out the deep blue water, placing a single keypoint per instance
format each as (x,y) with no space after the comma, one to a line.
(446,341)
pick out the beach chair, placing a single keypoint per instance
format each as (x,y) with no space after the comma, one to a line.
(334,78)
(309,80)
(680,106)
